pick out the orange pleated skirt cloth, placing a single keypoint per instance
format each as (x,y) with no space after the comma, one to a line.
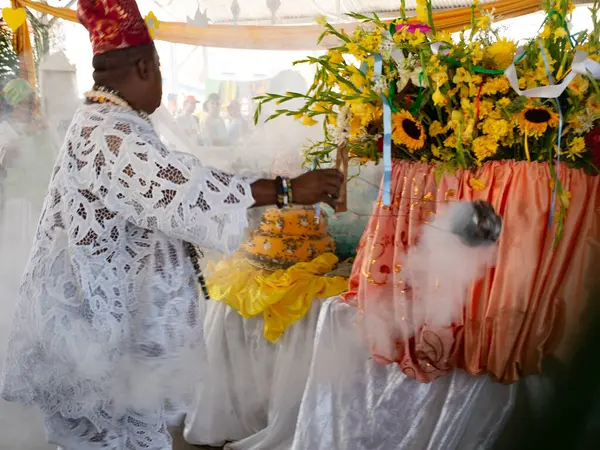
(532,304)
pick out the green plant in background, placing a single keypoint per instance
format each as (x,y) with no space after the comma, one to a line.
(9,63)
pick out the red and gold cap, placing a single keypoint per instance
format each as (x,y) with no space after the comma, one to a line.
(113,24)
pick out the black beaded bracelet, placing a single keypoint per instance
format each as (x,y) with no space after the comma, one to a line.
(195,255)
(290,196)
(281,195)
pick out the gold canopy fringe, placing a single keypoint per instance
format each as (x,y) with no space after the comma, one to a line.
(287,37)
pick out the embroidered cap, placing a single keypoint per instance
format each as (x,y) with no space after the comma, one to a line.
(113,24)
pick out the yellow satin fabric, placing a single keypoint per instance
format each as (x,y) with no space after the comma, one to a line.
(290,37)
(283,297)
(532,304)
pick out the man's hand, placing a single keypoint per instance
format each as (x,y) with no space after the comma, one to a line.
(308,189)
(317,186)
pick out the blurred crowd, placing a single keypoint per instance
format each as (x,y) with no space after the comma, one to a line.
(211,124)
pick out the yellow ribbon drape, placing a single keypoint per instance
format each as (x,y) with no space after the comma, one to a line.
(289,37)
(22,45)
(283,297)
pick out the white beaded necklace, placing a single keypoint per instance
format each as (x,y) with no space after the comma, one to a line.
(101,94)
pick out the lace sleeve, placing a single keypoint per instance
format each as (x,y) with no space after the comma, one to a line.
(137,177)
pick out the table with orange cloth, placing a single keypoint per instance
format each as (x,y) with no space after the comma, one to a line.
(530,305)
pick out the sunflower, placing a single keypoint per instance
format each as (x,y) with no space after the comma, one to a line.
(535,120)
(407,131)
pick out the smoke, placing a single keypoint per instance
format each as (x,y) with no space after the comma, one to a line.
(436,274)
(429,287)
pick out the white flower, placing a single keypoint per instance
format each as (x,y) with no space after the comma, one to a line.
(341,132)
(585,121)
(386,47)
(379,84)
(410,70)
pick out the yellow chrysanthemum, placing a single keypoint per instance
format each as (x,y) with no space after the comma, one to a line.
(579,85)
(535,120)
(484,147)
(495,85)
(443,36)
(576,148)
(371,41)
(451,141)
(593,104)
(486,108)
(366,112)
(476,184)
(483,22)
(498,128)
(500,54)
(504,102)
(417,38)
(435,129)
(407,132)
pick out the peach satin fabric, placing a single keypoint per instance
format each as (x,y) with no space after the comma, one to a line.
(532,304)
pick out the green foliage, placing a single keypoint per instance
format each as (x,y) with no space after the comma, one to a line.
(9,63)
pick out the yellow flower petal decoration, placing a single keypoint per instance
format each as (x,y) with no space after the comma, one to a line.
(152,23)
(476,184)
(14,18)
(407,132)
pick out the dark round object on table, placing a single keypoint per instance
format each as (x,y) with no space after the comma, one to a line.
(479,225)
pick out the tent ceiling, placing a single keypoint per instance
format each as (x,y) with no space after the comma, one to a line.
(288,11)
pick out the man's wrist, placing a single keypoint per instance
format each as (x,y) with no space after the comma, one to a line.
(264,192)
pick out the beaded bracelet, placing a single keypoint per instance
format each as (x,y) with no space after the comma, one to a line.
(279,190)
(284,192)
(195,256)
(286,199)
(290,196)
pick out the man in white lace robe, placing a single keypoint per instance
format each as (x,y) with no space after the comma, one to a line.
(108,327)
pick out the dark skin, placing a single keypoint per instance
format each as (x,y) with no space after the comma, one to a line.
(135,74)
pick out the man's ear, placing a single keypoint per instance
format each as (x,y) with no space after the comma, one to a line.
(143,69)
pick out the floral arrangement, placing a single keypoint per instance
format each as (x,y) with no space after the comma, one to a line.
(451,102)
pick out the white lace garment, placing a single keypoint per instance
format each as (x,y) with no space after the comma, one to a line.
(108,317)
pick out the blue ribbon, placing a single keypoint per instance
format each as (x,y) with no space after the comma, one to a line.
(318,207)
(387,133)
(387,138)
(560,130)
